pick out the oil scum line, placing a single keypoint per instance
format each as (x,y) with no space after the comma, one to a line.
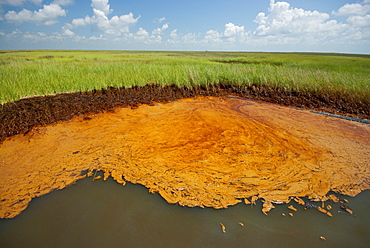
(317,112)
(206,152)
(341,117)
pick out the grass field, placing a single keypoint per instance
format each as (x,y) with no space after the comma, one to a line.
(44,72)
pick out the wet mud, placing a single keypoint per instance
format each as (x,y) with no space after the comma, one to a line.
(22,116)
(204,151)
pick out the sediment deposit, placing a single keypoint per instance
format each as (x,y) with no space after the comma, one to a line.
(207,152)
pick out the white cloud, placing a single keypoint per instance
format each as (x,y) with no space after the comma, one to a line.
(81,21)
(281,25)
(232,30)
(231,34)
(359,21)
(284,20)
(159,31)
(101,37)
(115,26)
(41,37)
(213,36)
(101,5)
(358,18)
(190,38)
(63,2)
(19,2)
(143,36)
(160,20)
(142,33)
(46,16)
(173,33)
(68,32)
(285,25)
(353,9)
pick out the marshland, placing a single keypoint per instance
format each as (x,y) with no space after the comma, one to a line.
(45,72)
(66,115)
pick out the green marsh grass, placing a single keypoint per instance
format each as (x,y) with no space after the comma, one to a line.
(44,72)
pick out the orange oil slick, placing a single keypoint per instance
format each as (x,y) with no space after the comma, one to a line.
(205,152)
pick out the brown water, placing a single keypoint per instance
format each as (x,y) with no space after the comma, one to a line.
(105,214)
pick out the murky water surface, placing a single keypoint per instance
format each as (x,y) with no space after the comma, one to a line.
(105,214)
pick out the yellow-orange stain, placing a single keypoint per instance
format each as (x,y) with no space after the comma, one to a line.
(223,228)
(205,152)
(292,208)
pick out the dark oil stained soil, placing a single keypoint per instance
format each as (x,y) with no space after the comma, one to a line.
(22,116)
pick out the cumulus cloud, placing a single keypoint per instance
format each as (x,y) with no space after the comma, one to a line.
(115,26)
(101,5)
(281,24)
(173,33)
(285,24)
(142,33)
(231,30)
(358,17)
(284,20)
(353,9)
(80,22)
(143,36)
(359,21)
(213,36)
(46,16)
(190,38)
(159,31)
(231,33)
(68,32)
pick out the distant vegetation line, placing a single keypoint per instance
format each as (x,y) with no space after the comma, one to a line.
(45,72)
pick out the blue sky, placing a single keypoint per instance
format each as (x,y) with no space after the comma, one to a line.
(232,25)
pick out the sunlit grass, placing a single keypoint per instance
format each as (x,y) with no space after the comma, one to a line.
(28,73)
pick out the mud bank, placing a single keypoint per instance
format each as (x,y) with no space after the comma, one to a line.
(22,116)
(207,152)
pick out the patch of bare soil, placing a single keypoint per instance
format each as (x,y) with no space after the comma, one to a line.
(207,151)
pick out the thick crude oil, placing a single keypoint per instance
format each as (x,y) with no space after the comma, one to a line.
(204,152)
